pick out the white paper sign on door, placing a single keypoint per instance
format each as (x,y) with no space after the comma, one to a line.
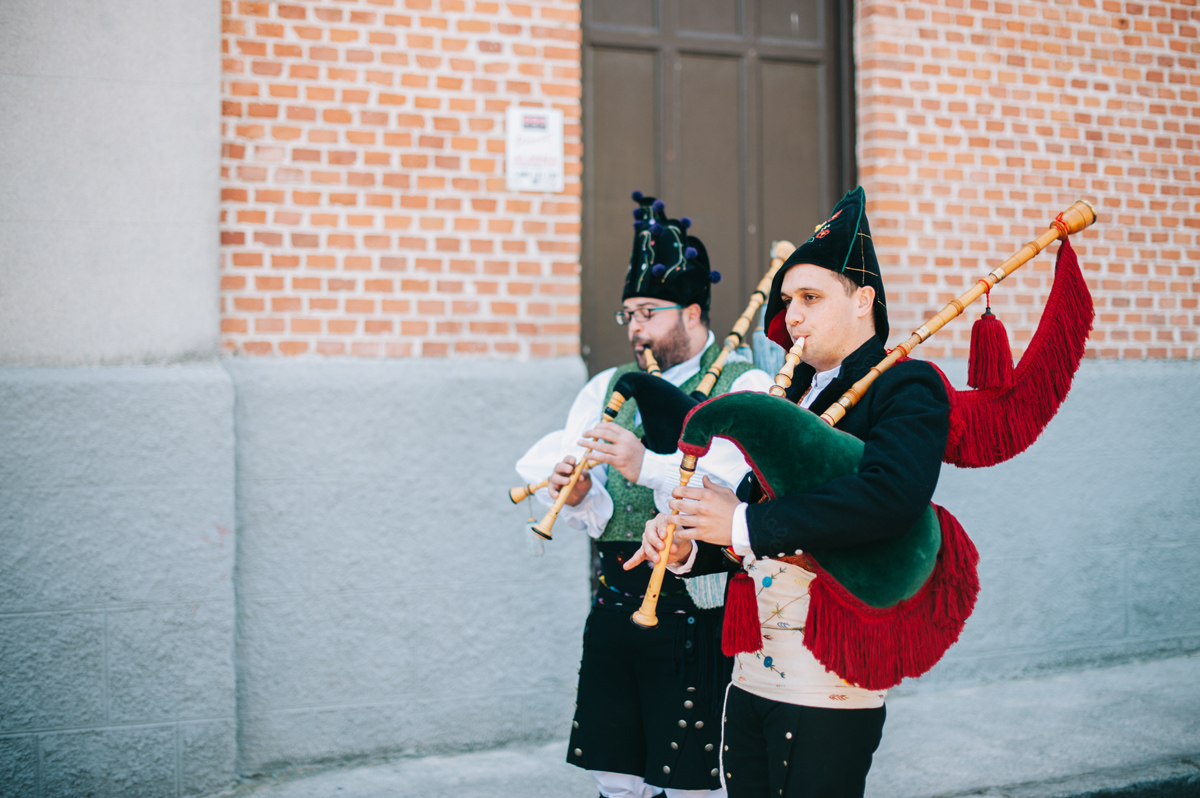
(534,149)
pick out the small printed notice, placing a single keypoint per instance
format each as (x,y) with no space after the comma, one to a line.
(534,149)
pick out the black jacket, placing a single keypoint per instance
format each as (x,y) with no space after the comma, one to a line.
(903,420)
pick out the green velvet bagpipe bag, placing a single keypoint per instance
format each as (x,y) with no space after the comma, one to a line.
(879,611)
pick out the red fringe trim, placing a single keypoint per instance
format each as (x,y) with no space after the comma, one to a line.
(741,633)
(875,648)
(989,426)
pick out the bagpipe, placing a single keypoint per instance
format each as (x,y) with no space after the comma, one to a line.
(889,609)
(663,405)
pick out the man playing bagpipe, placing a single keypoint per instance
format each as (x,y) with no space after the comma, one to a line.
(647,717)
(792,726)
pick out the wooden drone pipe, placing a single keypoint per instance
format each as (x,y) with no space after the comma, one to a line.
(543,527)
(523,492)
(779,253)
(1081,214)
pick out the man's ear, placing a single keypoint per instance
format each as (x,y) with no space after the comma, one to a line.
(691,316)
(866,301)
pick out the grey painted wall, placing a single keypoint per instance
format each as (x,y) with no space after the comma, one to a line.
(109,199)
(387,600)
(116,584)
(1089,541)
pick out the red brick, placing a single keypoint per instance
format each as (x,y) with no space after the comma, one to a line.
(334,179)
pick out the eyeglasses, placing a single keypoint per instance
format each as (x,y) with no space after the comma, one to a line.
(640,315)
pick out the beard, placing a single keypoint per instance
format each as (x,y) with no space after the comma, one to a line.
(669,350)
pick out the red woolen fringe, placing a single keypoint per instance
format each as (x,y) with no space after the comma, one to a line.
(989,426)
(990,364)
(876,648)
(741,633)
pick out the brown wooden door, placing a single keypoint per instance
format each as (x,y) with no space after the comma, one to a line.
(737,113)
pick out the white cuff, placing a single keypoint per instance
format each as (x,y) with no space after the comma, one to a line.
(593,513)
(740,532)
(681,568)
(660,472)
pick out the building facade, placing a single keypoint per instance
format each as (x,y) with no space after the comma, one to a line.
(273,331)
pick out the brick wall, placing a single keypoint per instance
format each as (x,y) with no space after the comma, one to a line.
(364,210)
(979,120)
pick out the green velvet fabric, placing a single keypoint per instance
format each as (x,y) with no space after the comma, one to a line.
(633,504)
(793,451)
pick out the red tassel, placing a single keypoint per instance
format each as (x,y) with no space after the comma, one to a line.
(991,425)
(741,633)
(990,364)
(876,648)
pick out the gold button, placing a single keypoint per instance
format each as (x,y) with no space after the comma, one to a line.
(713,773)
(666,769)
(575,723)
(688,704)
(788,735)
(674,746)
(683,724)
(708,747)
(578,752)
(699,724)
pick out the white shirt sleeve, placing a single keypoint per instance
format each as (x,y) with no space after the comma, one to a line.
(740,531)
(685,566)
(591,514)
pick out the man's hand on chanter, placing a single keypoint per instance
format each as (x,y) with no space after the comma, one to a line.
(562,475)
(704,513)
(616,446)
(652,543)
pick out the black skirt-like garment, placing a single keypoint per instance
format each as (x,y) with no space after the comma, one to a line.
(649,700)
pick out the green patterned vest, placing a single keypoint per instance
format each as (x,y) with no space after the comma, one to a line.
(633,504)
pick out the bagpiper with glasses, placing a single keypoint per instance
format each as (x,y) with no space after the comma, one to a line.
(649,703)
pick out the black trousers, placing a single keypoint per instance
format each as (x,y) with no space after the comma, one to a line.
(773,749)
(649,700)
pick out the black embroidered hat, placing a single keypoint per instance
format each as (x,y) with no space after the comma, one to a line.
(841,244)
(666,262)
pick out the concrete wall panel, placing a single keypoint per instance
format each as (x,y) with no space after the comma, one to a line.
(170,661)
(207,756)
(116,591)
(51,670)
(113,471)
(109,204)
(18,766)
(138,762)
(388,602)
(1090,540)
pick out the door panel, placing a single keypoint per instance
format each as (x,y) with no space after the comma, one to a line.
(622,103)
(710,180)
(795,182)
(737,113)
(710,16)
(622,13)
(788,19)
